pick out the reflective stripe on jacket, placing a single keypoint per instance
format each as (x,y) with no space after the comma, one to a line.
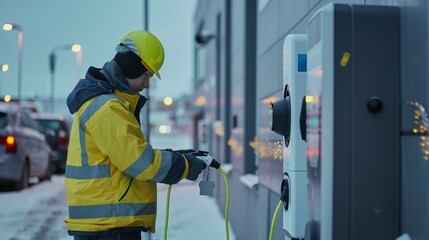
(112,170)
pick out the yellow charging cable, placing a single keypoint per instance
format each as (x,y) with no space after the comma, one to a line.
(167,206)
(167,210)
(273,221)
(227,201)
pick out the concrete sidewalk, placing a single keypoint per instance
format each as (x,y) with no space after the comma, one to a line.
(191,216)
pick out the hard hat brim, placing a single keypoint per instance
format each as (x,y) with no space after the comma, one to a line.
(151,70)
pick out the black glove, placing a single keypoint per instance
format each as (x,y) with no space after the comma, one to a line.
(195,166)
(183,151)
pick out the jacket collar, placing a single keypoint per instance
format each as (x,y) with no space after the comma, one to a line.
(94,84)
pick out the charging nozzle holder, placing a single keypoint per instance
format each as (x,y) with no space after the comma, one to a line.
(280,113)
(284,194)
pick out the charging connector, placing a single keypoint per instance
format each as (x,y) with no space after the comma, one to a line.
(284,199)
(208,159)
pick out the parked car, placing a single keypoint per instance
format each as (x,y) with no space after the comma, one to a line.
(28,106)
(24,151)
(59,138)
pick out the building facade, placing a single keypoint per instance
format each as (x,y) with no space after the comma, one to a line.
(239,72)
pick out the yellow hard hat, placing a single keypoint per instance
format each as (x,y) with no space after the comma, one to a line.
(147,47)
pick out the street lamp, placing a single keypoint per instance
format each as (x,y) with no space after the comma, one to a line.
(76,48)
(16,27)
(4,68)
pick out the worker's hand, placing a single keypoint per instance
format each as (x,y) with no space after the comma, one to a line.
(195,166)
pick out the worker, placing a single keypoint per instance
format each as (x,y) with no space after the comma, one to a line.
(112,170)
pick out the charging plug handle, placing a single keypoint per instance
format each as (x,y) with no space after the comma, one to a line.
(208,159)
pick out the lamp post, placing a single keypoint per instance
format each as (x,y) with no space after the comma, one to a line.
(76,48)
(16,27)
(4,68)
(146,110)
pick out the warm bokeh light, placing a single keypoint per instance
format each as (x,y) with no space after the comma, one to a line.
(311,99)
(270,100)
(219,131)
(7,98)
(267,148)
(164,129)
(168,101)
(4,67)
(76,48)
(7,27)
(201,101)
(10,140)
(421,127)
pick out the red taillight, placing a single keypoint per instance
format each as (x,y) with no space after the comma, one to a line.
(10,143)
(62,138)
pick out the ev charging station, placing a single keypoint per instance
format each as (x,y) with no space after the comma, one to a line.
(294,162)
(353,123)
(285,121)
(204,135)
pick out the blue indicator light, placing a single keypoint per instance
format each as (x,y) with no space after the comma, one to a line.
(314,122)
(302,62)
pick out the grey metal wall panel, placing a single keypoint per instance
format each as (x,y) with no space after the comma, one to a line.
(207,13)
(237,71)
(268,150)
(270,71)
(250,86)
(237,132)
(269,84)
(324,2)
(368,51)
(414,50)
(313,3)
(414,99)
(268,25)
(225,80)
(202,9)
(379,2)
(290,13)
(250,215)
(238,26)
(278,227)
(243,81)
(207,19)
(237,86)
(415,172)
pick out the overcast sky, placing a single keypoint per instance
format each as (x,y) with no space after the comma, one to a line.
(97,25)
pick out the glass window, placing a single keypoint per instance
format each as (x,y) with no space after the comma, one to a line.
(27,121)
(51,124)
(3,119)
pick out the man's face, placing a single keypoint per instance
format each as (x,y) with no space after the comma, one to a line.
(140,83)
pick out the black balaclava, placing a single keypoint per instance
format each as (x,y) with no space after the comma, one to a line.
(130,64)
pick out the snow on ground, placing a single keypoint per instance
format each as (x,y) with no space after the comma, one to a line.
(191,216)
(37,213)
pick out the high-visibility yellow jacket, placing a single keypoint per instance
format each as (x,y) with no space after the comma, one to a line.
(112,170)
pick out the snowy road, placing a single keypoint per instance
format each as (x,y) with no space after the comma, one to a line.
(38,213)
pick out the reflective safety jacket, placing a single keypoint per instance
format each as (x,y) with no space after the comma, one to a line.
(112,170)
